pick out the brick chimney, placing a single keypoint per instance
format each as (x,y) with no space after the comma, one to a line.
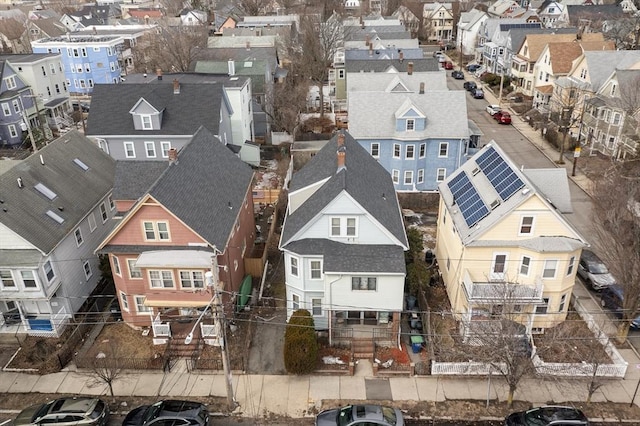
(422,88)
(370,49)
(401,56)
(173,156)
(341,154)
(176,86)
(410,68)
(159,73)
(367,40)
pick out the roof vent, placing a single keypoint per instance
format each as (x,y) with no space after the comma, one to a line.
(494,204)
(525,191)
(475,171)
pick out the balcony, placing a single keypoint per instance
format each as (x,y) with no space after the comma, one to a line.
(501,291)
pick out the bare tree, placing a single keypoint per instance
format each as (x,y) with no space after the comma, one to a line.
(565,106)
(287,100)
(13,30)
(616,206)
(253,7)
(106,368)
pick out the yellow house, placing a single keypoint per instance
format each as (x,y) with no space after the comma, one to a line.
(503,245)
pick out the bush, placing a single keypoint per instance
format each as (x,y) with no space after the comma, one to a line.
(300,343)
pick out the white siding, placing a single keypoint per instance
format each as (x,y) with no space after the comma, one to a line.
(12,241)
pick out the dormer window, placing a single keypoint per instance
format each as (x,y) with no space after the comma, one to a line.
(411,125)
(146,122)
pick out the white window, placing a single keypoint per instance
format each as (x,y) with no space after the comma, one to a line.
(146,122)
(150,147)
(28,279)
(87,269)
(294,266)
(165,147)
(335,226)
(543,307)
(103,213)
(295,302)
(140,306)
(408,177)
(10,82)
(396,150)
(129,150)
(571,264)
(563,303)
(315,269)
(6,110)
(12,130)
(84,52)
(411,125)
(410,152)
(375,150)
(6,279)
(124,302)
(16,105)
(343,226)
(134,272)
(156,231)
(444,149)
(78,234)
(441,174)
(364,283)
(550,266)
(161,279)
(116,266)
(48,271)
(420,175)
(316,307)
(341,73)
(395,176)
(499,266)
(616,119)
(351,226)
(112,205)
(423,150)
(526,225)
(191,279)
(525,264)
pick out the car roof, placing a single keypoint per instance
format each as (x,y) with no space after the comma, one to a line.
(73,405)
(175,407)
(553,413)
(590,256)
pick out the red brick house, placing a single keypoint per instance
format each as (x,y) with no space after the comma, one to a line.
(179,219)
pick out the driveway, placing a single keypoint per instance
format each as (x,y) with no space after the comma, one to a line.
(267,344)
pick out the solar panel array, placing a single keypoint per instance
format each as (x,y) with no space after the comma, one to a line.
(500,174)
(467,198)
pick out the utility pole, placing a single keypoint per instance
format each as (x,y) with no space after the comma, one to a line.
(566,119)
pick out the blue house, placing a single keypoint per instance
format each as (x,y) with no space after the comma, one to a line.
(419,136)
(17,102)
(87,59)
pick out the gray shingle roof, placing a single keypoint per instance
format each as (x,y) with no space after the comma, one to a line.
(382,65)
(601,64)
(200,187)
(367,81)
(364,179)
(77,191)
(196,105)
(134,178)
(365,55)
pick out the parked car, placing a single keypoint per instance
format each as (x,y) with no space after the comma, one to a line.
(492,109)
(473,67)
(77,106)
(437,53)
(354,415)
(458,75)
(470,86)
(66,412)
(547,416)
(478,94)
(448,65)
(612,297)
(593,271)
(170,412)
(502,117)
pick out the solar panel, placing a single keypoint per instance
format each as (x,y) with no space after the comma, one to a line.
(468,200)
(500,174)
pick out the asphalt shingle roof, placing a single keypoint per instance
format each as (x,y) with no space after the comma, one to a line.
(76,191)
(134,178)
(383,65)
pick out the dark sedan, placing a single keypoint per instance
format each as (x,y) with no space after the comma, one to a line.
(169,413)
(458,75)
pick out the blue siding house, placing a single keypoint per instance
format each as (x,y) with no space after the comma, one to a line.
(87,60)
(17,103)
(420,137)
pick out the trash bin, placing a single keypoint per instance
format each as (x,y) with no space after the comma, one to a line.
(416,343)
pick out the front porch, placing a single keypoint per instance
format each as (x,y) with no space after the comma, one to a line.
(381,328)
(41,325)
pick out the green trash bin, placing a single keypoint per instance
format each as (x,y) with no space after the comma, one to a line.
(416,343)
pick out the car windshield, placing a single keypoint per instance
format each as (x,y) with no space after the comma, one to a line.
(345,416)
(389,415)
(42,411)
(535,417)
(97,411)
(598,268)
(151,412)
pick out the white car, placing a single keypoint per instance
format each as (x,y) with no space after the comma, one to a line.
(492,109)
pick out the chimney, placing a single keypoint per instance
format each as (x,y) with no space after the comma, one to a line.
(401,56)
(410,68)
(341,139)
(159,73)
(341,154)
(371,49)
(173,156)
(422,88)
(232,67)
(248,45)
(367,40)
(176,86)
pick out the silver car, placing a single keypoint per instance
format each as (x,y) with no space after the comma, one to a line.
(66,412)
(594,272)
(364,415)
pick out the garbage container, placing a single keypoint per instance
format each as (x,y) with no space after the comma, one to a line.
(416,343)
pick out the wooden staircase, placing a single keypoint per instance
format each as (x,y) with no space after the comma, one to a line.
(362,348)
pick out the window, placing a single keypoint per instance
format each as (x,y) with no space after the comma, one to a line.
(525,264)
(316,307)
(150,147)
(444,149)
(12,131)
(140,306)
(410,153)
(90,82)
(87,68)
(408,177)
(129,150)
(294,266)
(583,74)
(6,110)
(123,301)
(191,279)
(52,67)
(335,226)
(146,122)
(364,283)
(572,262)
(156,231)
(116,266)
(563,303)
(343,226)
(351,226)
(616,119)
(375,150)
(526,225)
(112,205)
(48,271)
(87,269)
(161,279)
(78,235)
(441,175)
(295,302)
(395,176)
(134,272)
(165,147)
(103,213)
(423,150)
(420,176)
(84,52)
(315,269)
(542,308)
(396,150)
(10,82)
(16,105)
(341,73)
(6,279)
(549,268)
(411,125)
(499,264)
